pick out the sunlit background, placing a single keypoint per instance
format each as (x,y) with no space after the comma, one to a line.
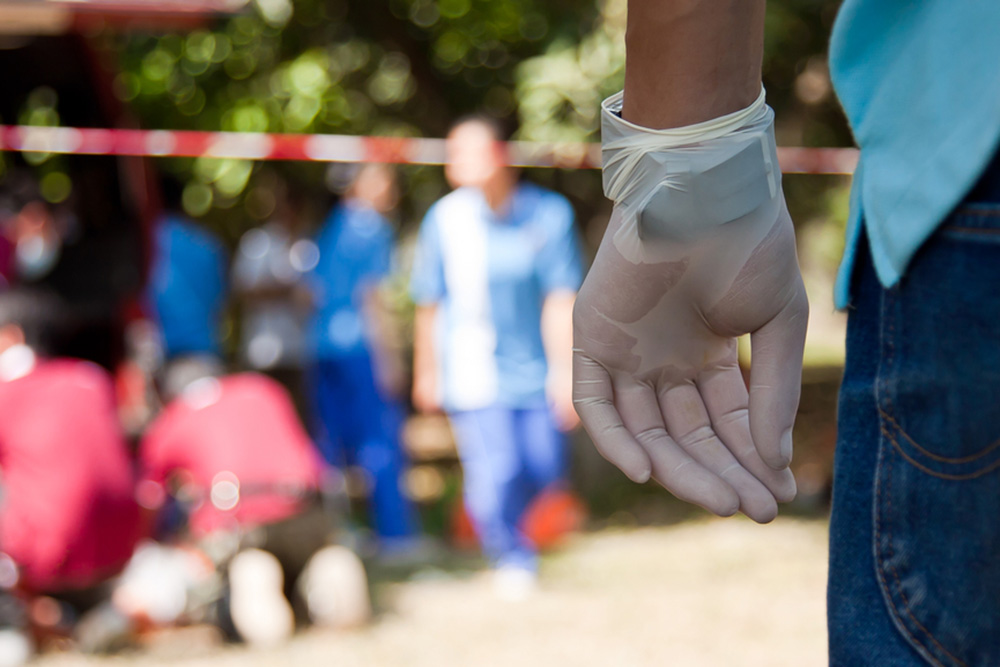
(646,580)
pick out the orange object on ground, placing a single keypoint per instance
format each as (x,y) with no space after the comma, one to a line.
(552,516)
(463,532)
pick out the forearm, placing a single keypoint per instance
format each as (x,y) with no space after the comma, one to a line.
(373,307)
(557,330)
(424,354)
(691,60)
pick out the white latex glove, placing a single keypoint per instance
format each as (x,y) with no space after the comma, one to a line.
(700,249)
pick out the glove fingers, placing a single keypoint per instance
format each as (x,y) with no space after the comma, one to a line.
(593,397)
(689,425)
(726,399)
(673,468)
(776,381)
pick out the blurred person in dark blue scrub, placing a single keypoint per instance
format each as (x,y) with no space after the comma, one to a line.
(494,278)
(187,282)
(355,383)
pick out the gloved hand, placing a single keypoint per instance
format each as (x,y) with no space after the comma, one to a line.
(700,249)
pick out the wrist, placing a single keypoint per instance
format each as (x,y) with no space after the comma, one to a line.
(680,185)
(560,370)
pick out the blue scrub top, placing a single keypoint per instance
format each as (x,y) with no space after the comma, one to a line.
(355,252)
(187,286)
(490,273)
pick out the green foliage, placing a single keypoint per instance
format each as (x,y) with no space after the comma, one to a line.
(409,67)
(559,92)
(41,109)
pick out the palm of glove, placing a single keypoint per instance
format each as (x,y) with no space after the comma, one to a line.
(656,377)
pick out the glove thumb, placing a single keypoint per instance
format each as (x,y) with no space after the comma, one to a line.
(776,381)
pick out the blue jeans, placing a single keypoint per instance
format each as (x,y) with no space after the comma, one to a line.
(356,425)
(508,456)
(915,530)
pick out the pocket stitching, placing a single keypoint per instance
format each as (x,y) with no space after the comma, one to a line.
(919,466)
(888,345)
(894,609)
(937,457)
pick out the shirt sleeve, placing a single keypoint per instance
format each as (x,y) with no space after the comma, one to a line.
(427,284)
(559,264)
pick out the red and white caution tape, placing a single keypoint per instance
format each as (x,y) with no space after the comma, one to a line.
(344,148)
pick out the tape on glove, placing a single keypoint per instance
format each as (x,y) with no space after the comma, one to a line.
(699,250)
(679,184)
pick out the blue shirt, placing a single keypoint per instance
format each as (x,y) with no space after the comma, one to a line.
(355,253)
(920,84)
(187,286)
(490,274)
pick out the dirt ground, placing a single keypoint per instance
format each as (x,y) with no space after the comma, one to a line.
(704,592)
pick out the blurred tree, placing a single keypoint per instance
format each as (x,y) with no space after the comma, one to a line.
(409,67)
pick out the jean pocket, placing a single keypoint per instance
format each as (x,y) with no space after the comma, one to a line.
(937,501)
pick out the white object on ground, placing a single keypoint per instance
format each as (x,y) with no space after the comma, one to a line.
(259,609)
(334,587)
(159,582)
(16,647)
(514,584)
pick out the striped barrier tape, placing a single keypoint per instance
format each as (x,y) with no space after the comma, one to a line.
(344,148)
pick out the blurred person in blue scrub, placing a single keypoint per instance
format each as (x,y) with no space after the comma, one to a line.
(495,276)
(187,282)
(355,383)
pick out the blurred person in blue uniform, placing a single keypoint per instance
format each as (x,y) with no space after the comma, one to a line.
(355,383)
(495,276)
(187,282)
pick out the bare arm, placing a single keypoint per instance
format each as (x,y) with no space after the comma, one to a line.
(557,337)
(425,379)
(389,372)
(691,60)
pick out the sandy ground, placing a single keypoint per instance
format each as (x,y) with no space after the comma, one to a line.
(700,593)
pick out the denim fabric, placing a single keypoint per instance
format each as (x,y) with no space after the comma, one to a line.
(508,457)
(915,530)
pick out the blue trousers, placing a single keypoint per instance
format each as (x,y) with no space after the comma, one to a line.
(508,456)
(914,573)
(356,425)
